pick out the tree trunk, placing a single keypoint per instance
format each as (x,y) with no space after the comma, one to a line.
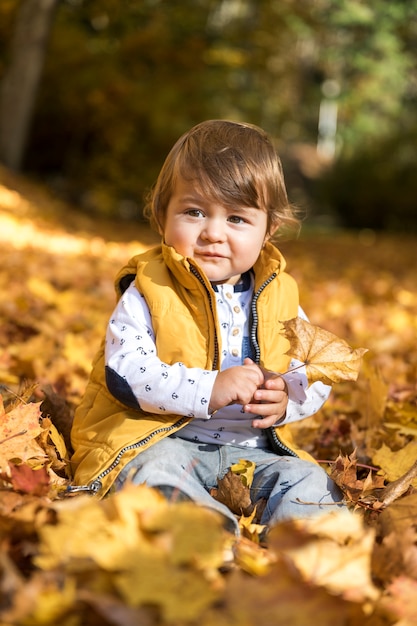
(22,77)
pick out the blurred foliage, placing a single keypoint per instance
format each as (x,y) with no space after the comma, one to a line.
(376,187)
(123,79)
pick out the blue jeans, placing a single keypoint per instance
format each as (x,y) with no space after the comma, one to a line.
(293,488)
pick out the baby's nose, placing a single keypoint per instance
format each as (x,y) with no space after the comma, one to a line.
(213,230)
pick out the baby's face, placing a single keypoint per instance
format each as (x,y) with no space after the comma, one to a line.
(225,242)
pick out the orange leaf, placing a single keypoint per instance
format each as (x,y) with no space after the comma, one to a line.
(326,357)
(28,480)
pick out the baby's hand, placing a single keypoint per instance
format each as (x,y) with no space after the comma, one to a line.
(236,385)
(270,402)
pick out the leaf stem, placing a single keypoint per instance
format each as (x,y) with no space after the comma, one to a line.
(294,369)
(22,432)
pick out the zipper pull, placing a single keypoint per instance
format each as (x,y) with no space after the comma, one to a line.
(92,488)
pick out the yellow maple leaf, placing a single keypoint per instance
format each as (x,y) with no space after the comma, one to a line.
(245,469)
(327,357)
(396,463)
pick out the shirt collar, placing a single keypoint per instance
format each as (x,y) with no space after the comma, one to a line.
(243,285)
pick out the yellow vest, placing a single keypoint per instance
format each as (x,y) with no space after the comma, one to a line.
(106,434)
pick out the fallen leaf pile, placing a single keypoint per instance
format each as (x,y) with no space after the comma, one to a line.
(134,558)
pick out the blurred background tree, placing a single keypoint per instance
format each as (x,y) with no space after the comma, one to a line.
(21,79)
(333,81)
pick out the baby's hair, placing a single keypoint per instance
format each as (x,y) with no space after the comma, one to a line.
(233,163)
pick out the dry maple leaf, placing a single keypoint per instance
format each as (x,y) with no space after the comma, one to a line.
(233,489)
(356,491)
(327,358)
(234,494)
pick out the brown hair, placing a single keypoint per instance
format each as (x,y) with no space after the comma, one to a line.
(232,162)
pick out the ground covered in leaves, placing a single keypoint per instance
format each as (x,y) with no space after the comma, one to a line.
(133,558)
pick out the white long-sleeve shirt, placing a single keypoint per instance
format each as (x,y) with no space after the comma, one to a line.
(136,376)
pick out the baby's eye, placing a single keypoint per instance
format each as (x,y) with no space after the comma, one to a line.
(236,219)
(195,212)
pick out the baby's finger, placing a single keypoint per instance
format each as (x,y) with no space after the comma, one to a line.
(270,396)
(267,421)
(276,383)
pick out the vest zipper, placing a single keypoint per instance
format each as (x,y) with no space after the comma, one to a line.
(254,312)
(277,444)
(275,441)
(95,486)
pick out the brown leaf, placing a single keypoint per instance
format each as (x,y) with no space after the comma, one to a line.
(234,494)
(327,358)
(363,492)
